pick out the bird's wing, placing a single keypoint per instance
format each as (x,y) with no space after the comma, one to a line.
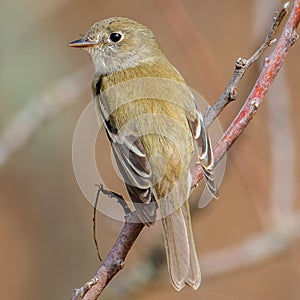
(135,168)
(131,160)
(204,150)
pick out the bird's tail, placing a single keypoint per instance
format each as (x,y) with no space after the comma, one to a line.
(180,248)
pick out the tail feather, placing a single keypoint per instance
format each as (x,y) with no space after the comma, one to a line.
(180,249)
(193,278)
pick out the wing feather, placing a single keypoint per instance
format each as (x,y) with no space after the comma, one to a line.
(204,151)
(131,160)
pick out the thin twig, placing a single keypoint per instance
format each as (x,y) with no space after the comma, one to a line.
(241,66)
(94,222)
(110,194)
(269,72)
(116,196)
(130,231)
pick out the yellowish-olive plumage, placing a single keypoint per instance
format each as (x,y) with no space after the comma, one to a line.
(153,125)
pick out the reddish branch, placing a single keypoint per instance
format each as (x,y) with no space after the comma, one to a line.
(130,231)
(270,70)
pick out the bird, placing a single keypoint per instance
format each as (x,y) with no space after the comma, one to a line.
(155,129)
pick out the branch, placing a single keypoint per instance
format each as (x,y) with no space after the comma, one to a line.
(114,262)
(241,66)
(130,231)
(269,72)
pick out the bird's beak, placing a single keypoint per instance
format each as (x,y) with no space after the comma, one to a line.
(82,43)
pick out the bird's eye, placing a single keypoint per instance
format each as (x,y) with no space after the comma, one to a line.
(115,37)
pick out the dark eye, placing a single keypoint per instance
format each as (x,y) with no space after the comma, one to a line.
(115,37)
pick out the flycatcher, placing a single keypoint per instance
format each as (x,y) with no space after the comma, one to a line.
(152,122)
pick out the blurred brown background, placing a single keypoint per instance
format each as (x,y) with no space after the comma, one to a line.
(248,240)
